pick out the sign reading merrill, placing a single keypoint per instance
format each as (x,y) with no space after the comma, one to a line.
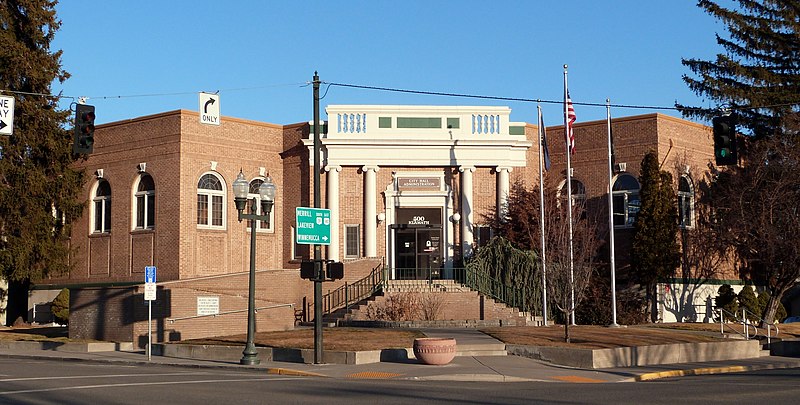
(419,183)
(313,226)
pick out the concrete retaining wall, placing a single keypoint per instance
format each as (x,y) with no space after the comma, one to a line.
(642,355)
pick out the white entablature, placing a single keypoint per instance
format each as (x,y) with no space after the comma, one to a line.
(391,135)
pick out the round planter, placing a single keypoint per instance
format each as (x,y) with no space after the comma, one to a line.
(435,351)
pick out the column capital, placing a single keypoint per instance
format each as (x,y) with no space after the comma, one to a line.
(503,169)
(373,168)
(463,169)
(335,168)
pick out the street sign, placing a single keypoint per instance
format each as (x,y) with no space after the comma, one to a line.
(209,109)
(313,226)
(150,274)
(149,291)
(6,115)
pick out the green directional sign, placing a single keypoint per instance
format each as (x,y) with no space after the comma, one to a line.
(313,226)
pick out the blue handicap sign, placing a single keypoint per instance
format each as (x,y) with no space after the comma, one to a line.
(150,274)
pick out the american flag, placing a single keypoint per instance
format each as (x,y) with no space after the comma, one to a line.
(571,117)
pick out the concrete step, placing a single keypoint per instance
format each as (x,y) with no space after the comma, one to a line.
(492,349)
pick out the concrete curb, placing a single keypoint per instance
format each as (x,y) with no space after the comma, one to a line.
(707,371)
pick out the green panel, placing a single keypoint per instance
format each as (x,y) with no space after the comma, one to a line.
(384,122)
(453,123)
(416,122)
(516,130)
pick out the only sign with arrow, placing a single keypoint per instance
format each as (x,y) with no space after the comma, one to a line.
(6,115)
(209,108)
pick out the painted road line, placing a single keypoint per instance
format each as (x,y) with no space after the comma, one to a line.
(100,386)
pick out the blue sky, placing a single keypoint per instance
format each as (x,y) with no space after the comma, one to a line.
(134,58)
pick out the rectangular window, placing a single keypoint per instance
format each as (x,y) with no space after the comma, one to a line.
(202,209)
(98,216)
(482,235)
(415,122)
(107,215)
(352,235)
(151,211)
(216,210)
(140,212)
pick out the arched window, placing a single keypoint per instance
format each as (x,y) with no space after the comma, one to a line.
(210,201)
(685,202)
(578,193)
(145,202)
(101,205)
(625,195)
(253,193)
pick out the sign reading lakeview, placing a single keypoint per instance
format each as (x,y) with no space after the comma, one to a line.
(313,226)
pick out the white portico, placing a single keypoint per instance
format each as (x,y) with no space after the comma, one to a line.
(417,152)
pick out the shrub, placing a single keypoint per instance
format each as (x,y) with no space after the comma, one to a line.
(431,306)
(747,300)
(727,300)
(396,307)
(763,298)
(60,307)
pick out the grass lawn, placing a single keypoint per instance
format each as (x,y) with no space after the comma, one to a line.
(357,339)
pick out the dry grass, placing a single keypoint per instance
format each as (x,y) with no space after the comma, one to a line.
(338,339)
(357,339)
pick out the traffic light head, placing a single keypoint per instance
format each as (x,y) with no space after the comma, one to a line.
(83,138)
(335,270)
(308,270)
(725,140)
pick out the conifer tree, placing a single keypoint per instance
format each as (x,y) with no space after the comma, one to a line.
(656,252)
(758,75)
(38,187)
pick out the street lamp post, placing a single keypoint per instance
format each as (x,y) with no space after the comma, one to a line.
(241,187)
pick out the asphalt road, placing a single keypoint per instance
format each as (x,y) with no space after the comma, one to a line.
(67,382)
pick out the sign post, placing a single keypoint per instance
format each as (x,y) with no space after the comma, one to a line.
(6,115)
(149,296)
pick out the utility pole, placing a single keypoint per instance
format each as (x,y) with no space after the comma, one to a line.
(317,248)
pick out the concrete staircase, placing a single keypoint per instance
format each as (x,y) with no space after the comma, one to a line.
(458,303)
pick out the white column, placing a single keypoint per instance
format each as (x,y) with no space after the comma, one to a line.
(370,215)
(502,190)
(333,205)
(466,210)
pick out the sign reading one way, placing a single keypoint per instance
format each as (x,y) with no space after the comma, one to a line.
(209,109)
(6,115)
(313,226)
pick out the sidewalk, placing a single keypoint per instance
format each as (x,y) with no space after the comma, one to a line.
(463,368)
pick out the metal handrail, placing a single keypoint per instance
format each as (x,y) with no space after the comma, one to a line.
(348,294)
(769,325)
(172,320)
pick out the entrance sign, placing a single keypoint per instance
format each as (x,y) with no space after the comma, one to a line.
(6,115)
(209,108)
(419,184)
(313,226)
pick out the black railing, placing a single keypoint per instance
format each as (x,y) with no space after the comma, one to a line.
(349,294)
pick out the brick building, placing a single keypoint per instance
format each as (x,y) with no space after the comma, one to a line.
(409,187)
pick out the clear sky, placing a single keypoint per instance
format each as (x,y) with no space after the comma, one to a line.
(134,58)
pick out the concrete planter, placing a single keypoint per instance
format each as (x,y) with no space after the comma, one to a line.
(435,351)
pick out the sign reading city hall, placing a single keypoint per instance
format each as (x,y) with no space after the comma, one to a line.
(313,226)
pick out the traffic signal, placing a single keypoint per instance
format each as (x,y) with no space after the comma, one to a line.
(83,139)
(335,270)
(308,270)
(725,140)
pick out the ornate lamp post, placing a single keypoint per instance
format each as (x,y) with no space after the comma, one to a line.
(241,187)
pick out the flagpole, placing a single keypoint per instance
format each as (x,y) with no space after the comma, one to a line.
(541,214)
(611,218)
(569,200)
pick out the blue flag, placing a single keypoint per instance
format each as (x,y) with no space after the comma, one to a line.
(543,142)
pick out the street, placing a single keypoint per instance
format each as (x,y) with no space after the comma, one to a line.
(69,382)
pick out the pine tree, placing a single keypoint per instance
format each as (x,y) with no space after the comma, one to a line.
(747,300)
(726,299)
(758,75)
(656,252)
(38,188)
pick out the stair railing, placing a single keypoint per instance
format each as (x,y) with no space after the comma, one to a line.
(743,321)
(349,294)
(769,327)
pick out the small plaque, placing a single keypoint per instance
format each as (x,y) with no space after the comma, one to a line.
(207,305)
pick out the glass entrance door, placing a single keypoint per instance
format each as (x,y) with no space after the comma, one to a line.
(418,253)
